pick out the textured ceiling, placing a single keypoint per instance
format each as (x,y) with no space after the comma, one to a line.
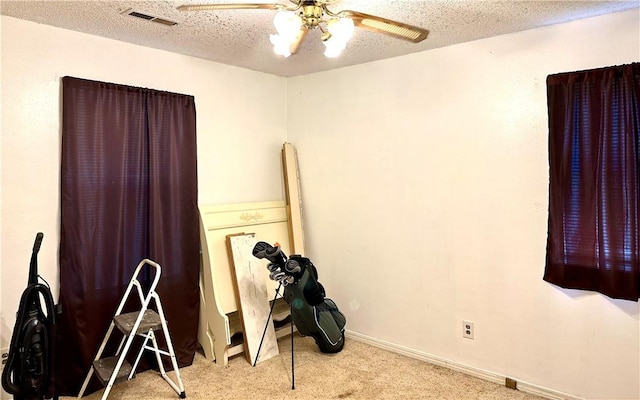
(241,37)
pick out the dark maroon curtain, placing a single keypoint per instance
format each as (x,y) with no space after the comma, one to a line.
(594,181)
(128,192)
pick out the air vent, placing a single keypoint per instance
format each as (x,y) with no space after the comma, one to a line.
(148,17)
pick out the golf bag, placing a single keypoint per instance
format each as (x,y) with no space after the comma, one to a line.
(28,373)
(313,313)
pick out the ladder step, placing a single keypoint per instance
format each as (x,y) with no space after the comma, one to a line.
(104,368)
(150,320)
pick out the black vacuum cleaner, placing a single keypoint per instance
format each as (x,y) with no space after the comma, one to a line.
(29,372)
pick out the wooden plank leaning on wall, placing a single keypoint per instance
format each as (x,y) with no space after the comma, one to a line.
(293,198)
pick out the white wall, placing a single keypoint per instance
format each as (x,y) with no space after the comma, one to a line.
(241,125)
(425,192)
(424,189)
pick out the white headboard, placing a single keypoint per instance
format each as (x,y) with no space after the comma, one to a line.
(218,307)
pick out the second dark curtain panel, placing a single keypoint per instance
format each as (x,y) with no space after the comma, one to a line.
(594,181)
(128,192)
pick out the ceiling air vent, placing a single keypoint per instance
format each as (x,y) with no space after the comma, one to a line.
(148,17)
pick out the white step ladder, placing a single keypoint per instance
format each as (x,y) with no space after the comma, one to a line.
(111,370)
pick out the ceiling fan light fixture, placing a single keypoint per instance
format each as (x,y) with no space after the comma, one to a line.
(341,28)
(281,46)
(287,24)
(331,52)
(334,47)
(293,22)
(339,33)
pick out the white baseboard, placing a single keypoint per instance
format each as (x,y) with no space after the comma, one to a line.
(476,372)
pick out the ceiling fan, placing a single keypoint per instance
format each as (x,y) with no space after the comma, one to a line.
(294,21)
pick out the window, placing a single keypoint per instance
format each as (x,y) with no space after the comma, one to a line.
(594,181)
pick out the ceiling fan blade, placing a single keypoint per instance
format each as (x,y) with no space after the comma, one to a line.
(301,35)
(230,6)
(386,26)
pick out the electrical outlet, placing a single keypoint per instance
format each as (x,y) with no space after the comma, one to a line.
(467,329)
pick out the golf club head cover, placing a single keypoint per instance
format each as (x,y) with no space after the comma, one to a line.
(280,268)
(272,253)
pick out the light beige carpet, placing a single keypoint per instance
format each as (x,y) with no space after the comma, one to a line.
(360,371)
